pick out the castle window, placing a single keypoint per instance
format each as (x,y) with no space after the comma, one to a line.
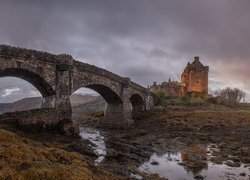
(197,80)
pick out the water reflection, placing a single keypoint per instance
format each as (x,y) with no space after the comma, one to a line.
(193,162)
(97,140)
(194,159)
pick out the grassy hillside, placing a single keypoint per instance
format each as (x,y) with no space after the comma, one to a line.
(81,104)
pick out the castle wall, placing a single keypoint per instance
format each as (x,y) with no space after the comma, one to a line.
(171,89)
(174,90)
(198,81)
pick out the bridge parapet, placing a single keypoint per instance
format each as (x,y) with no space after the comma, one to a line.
(103,72)
(25,54)
(138,87)
(99,71)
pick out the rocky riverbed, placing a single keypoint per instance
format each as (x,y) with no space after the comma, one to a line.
(180,142)
(172,143)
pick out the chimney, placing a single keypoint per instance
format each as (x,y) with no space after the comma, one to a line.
(196,58)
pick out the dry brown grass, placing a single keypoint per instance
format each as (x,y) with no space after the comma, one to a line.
(24,159)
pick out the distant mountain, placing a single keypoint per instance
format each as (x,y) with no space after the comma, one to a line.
(89,107)
(81,104)
(21,105)
(78,99)
(4,107)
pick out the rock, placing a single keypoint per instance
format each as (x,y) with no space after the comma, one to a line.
(217,160)
(154,163)
(247,165)
(199,177)
(112,153)
(233,164)
(242,174)
(234,158)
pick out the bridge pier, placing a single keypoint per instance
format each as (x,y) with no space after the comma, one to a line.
(48,102)
(63,113)
(63,92)
(118,115)
(61,103)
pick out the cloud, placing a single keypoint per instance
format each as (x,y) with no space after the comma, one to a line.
(8,92)
(143,39)
(13,89)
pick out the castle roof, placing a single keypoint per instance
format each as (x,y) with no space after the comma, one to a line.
(196,62)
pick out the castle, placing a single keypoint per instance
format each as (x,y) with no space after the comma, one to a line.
(194,82)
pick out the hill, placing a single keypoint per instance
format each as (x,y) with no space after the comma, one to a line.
(97,104)
(81,104)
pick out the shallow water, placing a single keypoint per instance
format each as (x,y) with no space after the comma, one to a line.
(170,165)
(174,166)
(97,139)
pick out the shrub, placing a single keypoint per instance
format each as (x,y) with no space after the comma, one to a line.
(181,101)
(199,102)
(159,98)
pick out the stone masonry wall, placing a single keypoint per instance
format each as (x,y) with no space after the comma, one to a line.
(37,120)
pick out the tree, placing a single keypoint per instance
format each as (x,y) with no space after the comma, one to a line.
(230,96)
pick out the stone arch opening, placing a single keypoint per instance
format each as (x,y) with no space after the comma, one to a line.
(105,97)
(107,93)
(41,85)
(85,102)
(137,102)
(18,95)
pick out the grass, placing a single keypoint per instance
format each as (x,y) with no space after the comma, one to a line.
(199,102)
(22,158)
(186,101)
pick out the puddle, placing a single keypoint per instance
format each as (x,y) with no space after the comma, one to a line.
(177,166)
(97,139)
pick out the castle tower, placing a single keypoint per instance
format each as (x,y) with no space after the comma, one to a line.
(195,77)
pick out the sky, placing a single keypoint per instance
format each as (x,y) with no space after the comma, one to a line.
(146,40)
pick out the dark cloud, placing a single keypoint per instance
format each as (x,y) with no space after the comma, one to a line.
(143,39)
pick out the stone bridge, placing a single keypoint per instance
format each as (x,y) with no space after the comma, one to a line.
(59,76)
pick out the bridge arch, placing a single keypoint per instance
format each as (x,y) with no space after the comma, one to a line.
(110,96)
(137,102)
(37,81)
(114,104)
